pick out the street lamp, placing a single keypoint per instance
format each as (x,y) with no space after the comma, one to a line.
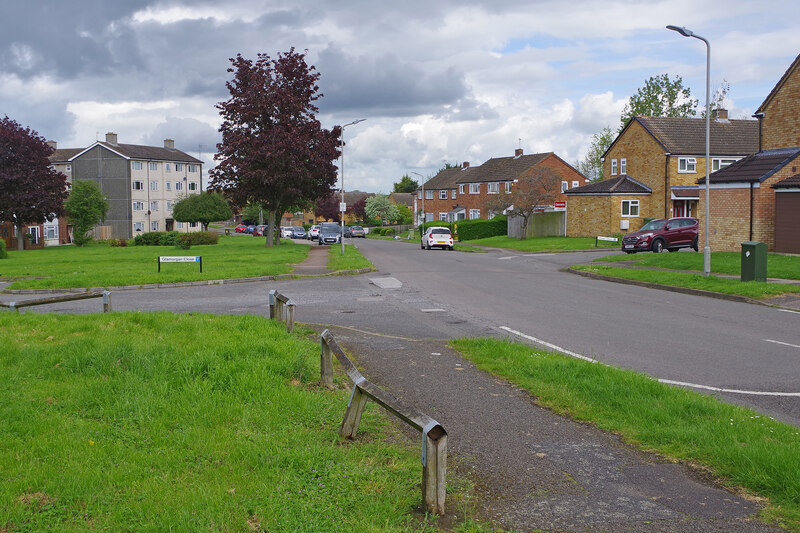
(423,199)
(341,204)
(707,250)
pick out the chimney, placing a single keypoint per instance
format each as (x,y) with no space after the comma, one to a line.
(464,165)
(111,138)
(518,152)
(721,114)
(52,144)
(169,143)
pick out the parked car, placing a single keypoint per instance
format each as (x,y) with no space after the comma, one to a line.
(665,233)
(260,230)
(240,228)
(357,231)
(313,232)
(249,230)
(329,233)
(286,232)
(347,232)
(298,232)
(437,236)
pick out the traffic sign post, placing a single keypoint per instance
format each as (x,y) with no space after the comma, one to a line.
(180,259)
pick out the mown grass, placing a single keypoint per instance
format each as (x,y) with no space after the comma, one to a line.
(778,265)
(351,260)
(540,244)
(99,265)
(741,446)
(165,422)
(751,289)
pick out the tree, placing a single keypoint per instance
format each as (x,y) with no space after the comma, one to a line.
(719,100)
(274,151)
(404,214)
(660,97)
(328,207)
(380,206)
(406,184)
(31,191)
(253,212)
(532,193)
(358,209)
(591,166)
(204,208)
(86,207)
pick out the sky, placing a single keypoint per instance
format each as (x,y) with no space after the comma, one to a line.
(443,81)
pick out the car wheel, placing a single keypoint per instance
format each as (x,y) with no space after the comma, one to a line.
(658,246)
(428,246)
(694,245)
(452,248)
(421,246)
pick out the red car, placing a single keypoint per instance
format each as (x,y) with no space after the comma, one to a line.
(240,228)
(665,233)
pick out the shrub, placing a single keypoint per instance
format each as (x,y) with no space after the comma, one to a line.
(480,229)
(388,231)
(3,253)
(120,243)
(184,241)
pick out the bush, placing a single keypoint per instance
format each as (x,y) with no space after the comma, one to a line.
(200,237)
(168,239)
(118,243)
(184,241)
(387,231)
(480,229)
(3,253)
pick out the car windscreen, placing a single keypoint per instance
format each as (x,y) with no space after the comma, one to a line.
(654,225)
(441,231)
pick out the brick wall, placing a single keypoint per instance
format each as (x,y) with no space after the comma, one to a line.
(781,123)
(592,215)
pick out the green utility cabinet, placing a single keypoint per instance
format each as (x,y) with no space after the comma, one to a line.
(754,261)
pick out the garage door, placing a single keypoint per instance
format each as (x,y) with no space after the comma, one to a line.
(787,222)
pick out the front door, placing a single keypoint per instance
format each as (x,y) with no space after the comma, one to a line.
(170,224)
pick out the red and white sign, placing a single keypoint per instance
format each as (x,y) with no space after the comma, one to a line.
(560,204)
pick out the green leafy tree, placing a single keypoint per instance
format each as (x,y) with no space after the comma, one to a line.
(204,208)
(660,97)
(86,207)
(253,213)
(591,165)
(404,214)
(534,191)
(406,184)
(380,206)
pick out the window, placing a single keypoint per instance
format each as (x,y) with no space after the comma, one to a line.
(153,185)
(154,205)
(51,232)
(718,163)
(630,208)
(475,188)
(508,186)
(461,189)
(454,194)
(169,185)
(192,224)
(138,206)
(419,195)
(167,166)
(687,164)
(169,205)
(623,166)
(178,167)
(192,186)
(69,168)
(153,166)
(136,165)
(192,168)
(564,186)
(474,213)
(138,185)
(154,225)
(443,195)
(613,167)
(429,194)
(442,216)
(178,186)
(138,226)
(179,225)
(575,184)
(493,188)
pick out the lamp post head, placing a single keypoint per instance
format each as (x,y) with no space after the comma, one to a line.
(354,122)
(680,29)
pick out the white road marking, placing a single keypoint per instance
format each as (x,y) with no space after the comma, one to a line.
(789,311)
(387,283)
(432,310)
(782,343)
(507,257)
(665,381)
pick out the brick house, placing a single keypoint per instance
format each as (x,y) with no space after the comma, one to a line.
(664,155)
(461,193)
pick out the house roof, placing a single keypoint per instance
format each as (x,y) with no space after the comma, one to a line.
(130,151)
(779,85)
(354,196)
(685,192)
(754,168)
(501,168)
(792,182)
(446,179)
(623,184)
(405,198)
(63,155)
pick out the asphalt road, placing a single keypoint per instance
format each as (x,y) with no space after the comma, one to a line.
(443,294)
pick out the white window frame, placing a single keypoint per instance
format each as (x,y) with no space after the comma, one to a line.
(137,165)
(474,214)
(716,163)
(192,186)
(168,185)
(613,167)
(153,185)
(138,226)
(632,208)
(576,183)
(137,206)
(178,167)
(178,186)
(461,188)
(154,225)
(179,225)
(443,216)
(508,186)
(153,165)
(192,224)
(443,194)
(564,186)
(168,167)
(193,168)
(154,205)
(51,232)
(474,188)
(169,205)
(492,187)
(454,194)
(687,165)
(419,195)
(137,185)
(429,194)
(623,166)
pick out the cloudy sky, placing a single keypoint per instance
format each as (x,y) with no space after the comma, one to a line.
(437,81)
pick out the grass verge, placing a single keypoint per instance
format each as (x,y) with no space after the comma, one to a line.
(778,265)
(740,446)
(351,260)
(751,289)
(539,244)
(165,422)
(99,265)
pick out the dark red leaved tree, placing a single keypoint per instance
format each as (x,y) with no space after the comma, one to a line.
(31,191)
(359,209)
(328,207)
(274,151)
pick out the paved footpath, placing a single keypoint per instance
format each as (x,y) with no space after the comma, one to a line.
(535,470)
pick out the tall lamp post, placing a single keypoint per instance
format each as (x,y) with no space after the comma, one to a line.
(422,181)
(341,204)
(707,250)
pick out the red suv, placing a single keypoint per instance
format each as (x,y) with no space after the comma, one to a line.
(656,235)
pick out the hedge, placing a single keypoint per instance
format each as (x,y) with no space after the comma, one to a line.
(3,253)
(469,230)
(173,238)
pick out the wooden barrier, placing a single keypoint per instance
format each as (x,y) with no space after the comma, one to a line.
(281,309)
(434,437)
(106,295)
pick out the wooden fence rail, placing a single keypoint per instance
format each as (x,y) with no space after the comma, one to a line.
(434,437)
(281,309)
(106,295)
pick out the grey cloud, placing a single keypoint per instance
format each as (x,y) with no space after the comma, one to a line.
(190,135)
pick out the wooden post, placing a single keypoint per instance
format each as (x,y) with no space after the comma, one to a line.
(352,417)
(106,301)
(272,294)
(325,362)
(290,316)
(434,469)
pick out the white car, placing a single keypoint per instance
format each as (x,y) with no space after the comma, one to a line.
(437,236)
(313,232)
(286,232)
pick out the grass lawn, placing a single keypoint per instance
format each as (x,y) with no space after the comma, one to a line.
(539,244)
(99,265)
(351,260)
(741,446)
(751,289)
(778,265)
(166,422)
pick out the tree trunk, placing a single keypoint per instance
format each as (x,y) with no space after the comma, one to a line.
(20,237)
(524,235)
(270,229)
